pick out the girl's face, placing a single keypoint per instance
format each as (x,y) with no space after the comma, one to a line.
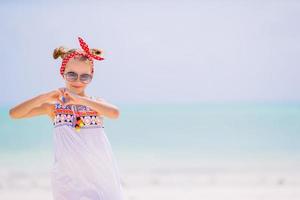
(79,67)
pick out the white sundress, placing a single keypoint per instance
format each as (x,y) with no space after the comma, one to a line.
(84,165)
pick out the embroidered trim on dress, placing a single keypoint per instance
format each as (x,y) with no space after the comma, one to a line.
(64,115)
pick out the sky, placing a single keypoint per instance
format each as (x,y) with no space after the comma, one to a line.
(156,51)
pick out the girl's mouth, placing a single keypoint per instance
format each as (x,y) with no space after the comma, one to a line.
(76,86)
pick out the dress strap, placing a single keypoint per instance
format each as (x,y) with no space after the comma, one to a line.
(93,97)
(74,110)
(97,98)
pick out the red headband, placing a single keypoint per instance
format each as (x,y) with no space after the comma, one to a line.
(86,53)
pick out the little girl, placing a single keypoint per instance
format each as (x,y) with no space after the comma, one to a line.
(84,166)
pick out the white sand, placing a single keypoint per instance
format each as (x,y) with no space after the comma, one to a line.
(174,180)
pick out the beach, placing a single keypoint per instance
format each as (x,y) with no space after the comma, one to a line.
(219,152)
(162,179)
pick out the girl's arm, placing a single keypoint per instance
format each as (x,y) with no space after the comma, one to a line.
(101,106)
(38,105)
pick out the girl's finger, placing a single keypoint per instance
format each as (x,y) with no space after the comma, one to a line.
(60,101)
(68,95)
(61,92)
(61,89)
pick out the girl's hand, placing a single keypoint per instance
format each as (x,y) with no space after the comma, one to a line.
(55,95)
(71,98)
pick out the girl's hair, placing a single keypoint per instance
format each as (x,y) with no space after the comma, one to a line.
(63,52)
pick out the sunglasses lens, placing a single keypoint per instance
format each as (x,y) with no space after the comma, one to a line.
(85,78)
(71,76)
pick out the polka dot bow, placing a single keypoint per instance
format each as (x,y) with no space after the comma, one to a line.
(86,53)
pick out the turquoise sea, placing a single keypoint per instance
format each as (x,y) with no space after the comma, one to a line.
(179,131)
